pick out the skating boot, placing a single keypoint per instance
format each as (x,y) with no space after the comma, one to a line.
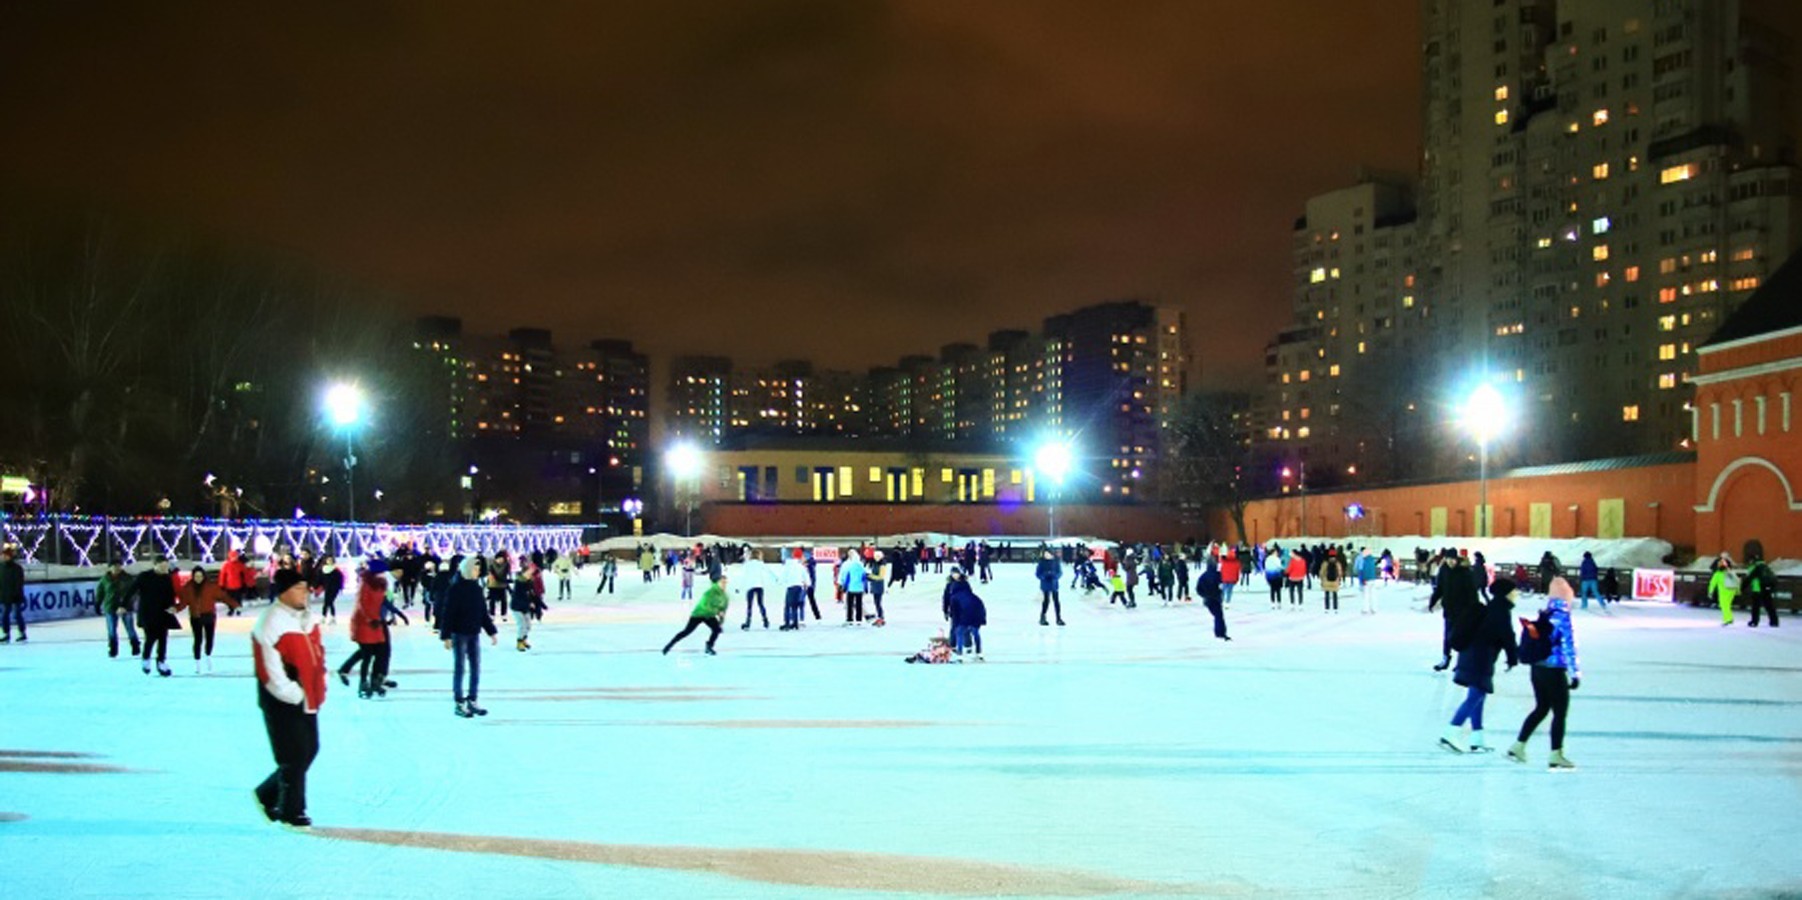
(344,677)
(463,709)
(1518,752)
(710,652)
(147,667)
(112,648)
(520,645)
(1477,745)
(475,710)
(1559,761)
(1043,622)
(1449,740)
(1444,664)
(390,683)
(136,648)
(209,665)
(163,670)
(197,667)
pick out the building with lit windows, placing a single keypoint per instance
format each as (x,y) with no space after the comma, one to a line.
(1603,182)
(699,404)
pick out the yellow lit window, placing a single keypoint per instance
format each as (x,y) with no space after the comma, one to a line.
(875,474)
(1333,370)
(1305,373)
(1599,117)
(945,476)
(1675,174)
(1667,351)
(1667,381)
(1317,276)
(1501,117)
(1408,302)
(1630,413)
(1599,171)
(1014,476)
(1501,93)
(1302,432)
(919,480)
(1667,323)
(1360,346)
(1632,274)
(1599,252)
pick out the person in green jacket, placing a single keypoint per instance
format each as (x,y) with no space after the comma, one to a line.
(710,610)
(109,598)
(1723,586)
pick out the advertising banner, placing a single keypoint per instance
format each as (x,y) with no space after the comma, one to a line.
(47,600)
(1654,584)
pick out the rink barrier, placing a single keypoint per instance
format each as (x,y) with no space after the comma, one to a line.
(86,542)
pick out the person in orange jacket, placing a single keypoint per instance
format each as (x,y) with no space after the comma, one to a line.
(290,666)
(201,598)
(236,578)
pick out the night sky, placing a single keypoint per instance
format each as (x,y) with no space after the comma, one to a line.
(841,180)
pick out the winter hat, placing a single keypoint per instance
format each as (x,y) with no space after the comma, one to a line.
(377,566)
(1501,587)
(285,579)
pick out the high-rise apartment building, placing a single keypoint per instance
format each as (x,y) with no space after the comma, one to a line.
(1602,182)
(700,398)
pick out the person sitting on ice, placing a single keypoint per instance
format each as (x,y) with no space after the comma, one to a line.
(938,650)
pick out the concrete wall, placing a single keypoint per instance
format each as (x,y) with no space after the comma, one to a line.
(1123,522)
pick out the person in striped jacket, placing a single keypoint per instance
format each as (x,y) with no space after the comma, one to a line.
(290,667)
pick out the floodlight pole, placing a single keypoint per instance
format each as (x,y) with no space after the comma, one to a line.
(350,470)
(1482,487)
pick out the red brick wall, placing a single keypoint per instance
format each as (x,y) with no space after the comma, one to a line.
(1748,477)
(1135,523)
(1408,510)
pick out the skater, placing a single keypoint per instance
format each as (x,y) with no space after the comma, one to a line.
(1332,573)
(1723,587)
(1211,587)
(1049,574)
(523,599)
(329,581)
(1456,594)
(853,579)
(109,598)
(290,667)
(647,563)
(1759,582)
(709,611)
(688,578)
(366,631)
(755,576)
(878,573)
(1117,588)
(1367,578)
(795,581)
(1476,667)
(609,571)
(1230,573)
(1588,581)
(1554,677)
(460,624)
(1295,573)
(236,578)
(201,598)
(1273,575)
(153,591)
(496,582)
(565,569)
(12,593)
(967,614)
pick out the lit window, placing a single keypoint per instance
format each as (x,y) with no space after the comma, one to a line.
(1748,283)
(1675,174)
(1744,254)
(1599,252)
(1334,272)
(1305,373)
(1408,302)
(1302,432)
(1600,225)
(1632,273)
(1599,117)
(1501,117)
(1333,370)
(1667,295)
(1317,276)
(1667,323)
(1501,93)
(1543,243)
(1360,346)
(1667,351)
(1667,381)
(1602,279)
(1630,413)
(1599,171)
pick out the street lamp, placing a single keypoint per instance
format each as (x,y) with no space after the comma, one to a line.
(1053,460)
(1485,414)
(345,406)
(1300,474)
(684,464)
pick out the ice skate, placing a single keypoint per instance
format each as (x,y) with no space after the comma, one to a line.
(463,709)
(197,667)
(1559,761)
(476,710)
(147,667)
(1449,740)
(1518,752)
(163,670)
(1477,745)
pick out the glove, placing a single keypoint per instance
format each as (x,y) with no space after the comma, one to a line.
(1576,683)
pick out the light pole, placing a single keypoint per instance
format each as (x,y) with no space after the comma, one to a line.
(684,464)
(1053,461)
(1483,417)
(1300,473)
(344,408)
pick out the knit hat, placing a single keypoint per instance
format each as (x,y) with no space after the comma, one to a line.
(283,579)
(1501,587)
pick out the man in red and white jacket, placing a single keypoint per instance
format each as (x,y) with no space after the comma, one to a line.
(290,663)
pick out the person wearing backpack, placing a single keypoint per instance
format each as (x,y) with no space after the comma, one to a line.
(1723,586)
(1493,635)
(1758,583)
(1332,573)
(1555,674)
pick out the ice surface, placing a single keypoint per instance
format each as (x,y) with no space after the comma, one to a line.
(1129,752)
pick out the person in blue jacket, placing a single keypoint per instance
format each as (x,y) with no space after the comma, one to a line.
(1553,679)
(1589,581)
(967,613)
(855,580)
(1049,574)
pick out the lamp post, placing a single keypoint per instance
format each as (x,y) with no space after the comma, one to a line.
(684,464)
(1300,473)
(1053,461)
(344,408)
(1483,414)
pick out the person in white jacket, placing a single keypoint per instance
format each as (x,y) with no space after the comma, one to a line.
(795,582)
(755,577)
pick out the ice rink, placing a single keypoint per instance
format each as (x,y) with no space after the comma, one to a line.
(1129,753)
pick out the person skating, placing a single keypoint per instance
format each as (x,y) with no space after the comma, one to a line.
(1332,574)
(461,625)
(497,581)
(201,598)
(609,572)
(795,581)
(688,578)
(154,593)
(565,569)
(1553,679)
(1456,594)
(1589,581)
(967,614)
(1050,574)
(12,593)
(328,579)
(647,563)
(877,573)
(854,579)
(1759,582)
(1117,590)
(1723,586)
(523,600)
(109,598)
(290,666)
(367,632)
(1367,578)
(1295,573)
(754,576)
(237,578)
(1475,672)
(1273,576)
(1211,588)
(710,610)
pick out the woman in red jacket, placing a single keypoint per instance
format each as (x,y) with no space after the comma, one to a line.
(201,598)
(1297,572)
(1229,573)
(366,630)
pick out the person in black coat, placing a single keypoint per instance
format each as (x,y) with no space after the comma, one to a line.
(967,613)
(1049,574)
(1492,634)
(154,592)
(1208,588)
(1456,595)
(461,623)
